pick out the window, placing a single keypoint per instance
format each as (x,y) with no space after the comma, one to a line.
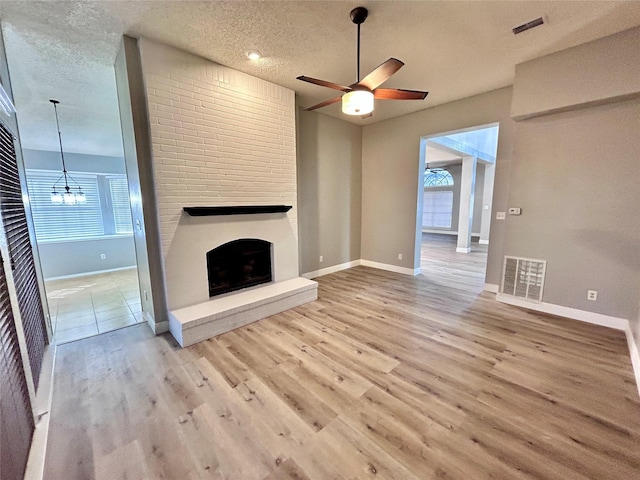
(56,222)
(120,204)
(107,211)
(437,210)
(437,178)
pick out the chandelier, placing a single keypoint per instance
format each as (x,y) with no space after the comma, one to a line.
(66,196)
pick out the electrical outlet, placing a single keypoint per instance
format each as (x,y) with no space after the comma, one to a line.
(103,256)
(321,259)
(592,295)
(501,215)
(515,211)
(399,256)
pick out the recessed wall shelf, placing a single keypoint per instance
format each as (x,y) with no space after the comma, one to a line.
(236,210)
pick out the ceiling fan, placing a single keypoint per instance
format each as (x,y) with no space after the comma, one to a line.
(359,97)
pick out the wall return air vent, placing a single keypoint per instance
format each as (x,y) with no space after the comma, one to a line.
(523,278)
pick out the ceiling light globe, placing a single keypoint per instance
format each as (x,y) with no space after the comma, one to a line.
(253,55)
(69,198)
(357,102)
(56,197)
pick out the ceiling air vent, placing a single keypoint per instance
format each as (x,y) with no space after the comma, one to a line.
(523,277)
(527,26)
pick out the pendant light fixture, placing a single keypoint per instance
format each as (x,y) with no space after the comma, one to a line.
(66,197)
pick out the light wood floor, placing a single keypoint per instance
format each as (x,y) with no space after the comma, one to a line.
(385,376)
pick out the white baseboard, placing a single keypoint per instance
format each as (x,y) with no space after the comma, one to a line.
(332,269)
(85,274)
(157,328)
(483,242)
(584,316)
(635,356)
(366,263)
(42,413)
(390,268)
(446,232)
(463,250)
(491,288)
(574,313)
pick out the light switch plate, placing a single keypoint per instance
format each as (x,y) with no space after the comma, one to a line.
(501,215)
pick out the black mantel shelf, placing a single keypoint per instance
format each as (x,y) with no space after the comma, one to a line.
(236,210)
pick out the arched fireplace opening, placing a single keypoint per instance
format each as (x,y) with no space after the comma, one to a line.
(238,264)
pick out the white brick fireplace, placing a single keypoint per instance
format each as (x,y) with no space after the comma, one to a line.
(220,138)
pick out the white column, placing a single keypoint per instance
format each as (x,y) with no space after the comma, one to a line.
(487,199)
(467,189)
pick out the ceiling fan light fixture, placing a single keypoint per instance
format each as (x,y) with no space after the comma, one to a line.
(357,102)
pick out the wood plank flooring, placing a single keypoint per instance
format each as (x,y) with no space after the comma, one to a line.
(385,376)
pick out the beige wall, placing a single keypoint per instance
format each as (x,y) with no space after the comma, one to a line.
(576,177)
(139,166)
(329,190)
(391,169)
(595,72)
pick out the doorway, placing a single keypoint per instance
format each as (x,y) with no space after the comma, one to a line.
(457,175)
(74,176)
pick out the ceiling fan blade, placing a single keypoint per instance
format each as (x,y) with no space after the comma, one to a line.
(381,73)
(323,104)
(323,83)
(398,94)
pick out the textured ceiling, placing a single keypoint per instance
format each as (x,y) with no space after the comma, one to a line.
(453,49)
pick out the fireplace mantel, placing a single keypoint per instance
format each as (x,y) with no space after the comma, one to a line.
(236,210)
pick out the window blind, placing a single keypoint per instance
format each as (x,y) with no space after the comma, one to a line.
(120,204)
(437,209)
(60,221)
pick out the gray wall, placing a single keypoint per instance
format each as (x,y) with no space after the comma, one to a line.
(76,162)
(329,190)
(60,259)
(81,256)
(390,182)
(138,160)
(576,177)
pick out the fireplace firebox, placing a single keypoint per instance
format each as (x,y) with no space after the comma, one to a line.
(238,264)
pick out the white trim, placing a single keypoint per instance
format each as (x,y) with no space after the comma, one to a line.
(491,287)
(42,414)
(391,268)
(583,316)
(97,272)
(156,328)
(463,250)
(633,353)
(445,232)
(483,242)
(574,313)
(332,269)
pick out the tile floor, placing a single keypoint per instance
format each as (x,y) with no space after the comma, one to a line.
(84,306)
